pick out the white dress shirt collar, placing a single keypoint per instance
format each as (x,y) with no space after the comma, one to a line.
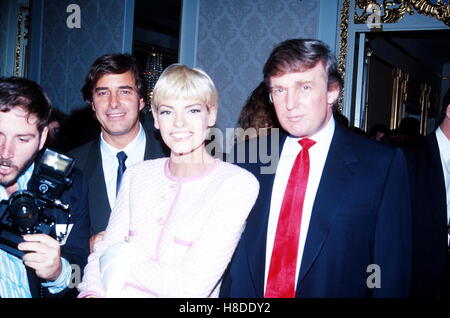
(444,150)
(135,152)
(322,138)
(444,144)
(130,148)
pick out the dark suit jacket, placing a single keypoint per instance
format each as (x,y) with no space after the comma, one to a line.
(88,159)
(431,266)
(361,216)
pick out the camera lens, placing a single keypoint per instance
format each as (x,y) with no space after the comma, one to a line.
(23,210)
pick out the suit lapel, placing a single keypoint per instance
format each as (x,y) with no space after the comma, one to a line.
(148,146)
(256,233)
(257,223)
(337,173)
(437,181)
(154,146)
(98,200)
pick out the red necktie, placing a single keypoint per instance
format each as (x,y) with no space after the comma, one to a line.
(283,263)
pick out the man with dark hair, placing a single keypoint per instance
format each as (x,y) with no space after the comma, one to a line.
(112,64)
(55,122)
(334,219)
(429,171)
(115,90)
(45,268)
(378,131)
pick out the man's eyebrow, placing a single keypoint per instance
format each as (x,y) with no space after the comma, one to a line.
(303,82)
(26,135)
(120,87)
(298,82)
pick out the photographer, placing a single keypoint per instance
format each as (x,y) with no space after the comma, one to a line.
(45,269)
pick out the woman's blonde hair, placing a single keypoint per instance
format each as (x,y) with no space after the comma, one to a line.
(180,81)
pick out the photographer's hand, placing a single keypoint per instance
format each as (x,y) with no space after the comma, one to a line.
(43,255)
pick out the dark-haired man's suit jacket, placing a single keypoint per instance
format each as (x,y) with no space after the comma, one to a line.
(431,265)
(88,159)
(360,216)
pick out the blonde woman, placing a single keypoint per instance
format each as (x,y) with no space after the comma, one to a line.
(177,220)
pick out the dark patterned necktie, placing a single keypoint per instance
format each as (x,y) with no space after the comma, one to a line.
(121,156)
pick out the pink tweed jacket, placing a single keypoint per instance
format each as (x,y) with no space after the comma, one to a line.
(169,236)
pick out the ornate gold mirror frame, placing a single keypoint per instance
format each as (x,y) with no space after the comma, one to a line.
(395,10)
(392,12)
(23,21)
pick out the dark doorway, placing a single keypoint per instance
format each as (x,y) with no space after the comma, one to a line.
(156,37)
(408,74)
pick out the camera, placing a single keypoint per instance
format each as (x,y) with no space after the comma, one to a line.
(24,212)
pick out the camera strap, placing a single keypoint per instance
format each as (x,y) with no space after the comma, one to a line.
(34,283)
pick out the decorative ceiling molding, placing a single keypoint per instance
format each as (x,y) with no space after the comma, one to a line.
(395,10)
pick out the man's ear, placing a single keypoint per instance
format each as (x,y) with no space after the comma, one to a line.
(333,93)
(43,137)
(141,104)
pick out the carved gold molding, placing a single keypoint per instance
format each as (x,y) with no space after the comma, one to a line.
(395,10)
(399,96)
(343,33)
(21,38)
(425,92)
